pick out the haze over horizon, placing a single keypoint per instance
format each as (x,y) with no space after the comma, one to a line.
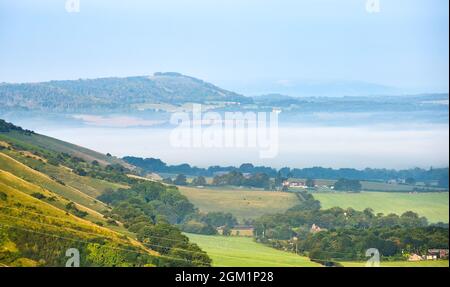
(296,48)
(404,47)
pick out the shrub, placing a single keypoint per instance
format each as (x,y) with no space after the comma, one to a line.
(3,196)
(38,195)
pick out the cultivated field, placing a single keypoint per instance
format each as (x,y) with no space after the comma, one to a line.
(434,206)
(241,203)
(374,186)
(244,252)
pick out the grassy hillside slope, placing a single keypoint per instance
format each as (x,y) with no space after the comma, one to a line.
(47,143)
(49,202)
(13,166)
(35,233)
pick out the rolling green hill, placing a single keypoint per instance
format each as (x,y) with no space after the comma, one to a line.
(112,94)
(8,164)
(49,202)
(33,141)
(47,208)
(34,232)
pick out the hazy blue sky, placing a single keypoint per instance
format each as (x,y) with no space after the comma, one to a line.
(228,41)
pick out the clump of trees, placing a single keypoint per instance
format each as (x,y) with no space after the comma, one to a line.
(112,172)
(180,180)
(71,207)
(236,178)
(3,196)
(198,227)
(310,183)
(168,241)
(443,180)
(345,234)
(208,223)
(233,178)
(149,199)
(347,185)
(38,195)
(351,244)
(7,127)
(150,209)
(199,181)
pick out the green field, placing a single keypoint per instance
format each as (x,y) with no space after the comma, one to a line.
(26,173)
(244,252)
(431,263)
(243,204)
(434,206)
(324,186)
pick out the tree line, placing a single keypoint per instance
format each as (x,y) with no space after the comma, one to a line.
(441,175)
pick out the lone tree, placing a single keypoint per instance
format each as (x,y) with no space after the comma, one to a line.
(348,185)
(180,180)
(310,182)
(410,181)
(199,181)
(443,181)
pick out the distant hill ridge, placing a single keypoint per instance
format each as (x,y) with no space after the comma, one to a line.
(377,174)
(119,94)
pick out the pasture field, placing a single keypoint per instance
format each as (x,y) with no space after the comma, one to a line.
(430,263)
(432,205)
(383,186)
(374,186)
(244,252)
(243,204)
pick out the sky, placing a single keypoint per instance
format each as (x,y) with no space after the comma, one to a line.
(229,42)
